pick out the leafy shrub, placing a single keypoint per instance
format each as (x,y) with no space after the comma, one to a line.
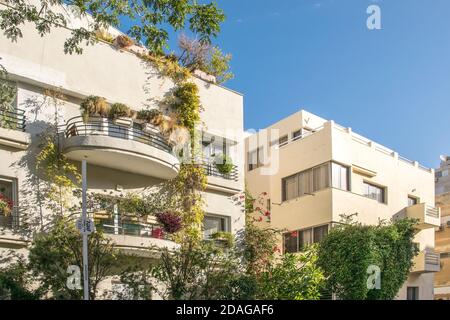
(170,221)
(118,110)
(148,115)
(223,163)
(94,106)
(123,41)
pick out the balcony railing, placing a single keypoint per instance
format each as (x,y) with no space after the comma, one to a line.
(11,221)
(432,211)
(144,230)
(105,127)
(12,119)
(211,170)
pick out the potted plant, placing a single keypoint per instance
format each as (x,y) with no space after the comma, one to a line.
(94,108)
(178,136)
(6,205)
(120,115)
(123,41)
(147,118)
(103,35)
(223,163)
(223,237)
(170,221)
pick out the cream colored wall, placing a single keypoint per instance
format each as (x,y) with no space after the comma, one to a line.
(37,63)
(333,142)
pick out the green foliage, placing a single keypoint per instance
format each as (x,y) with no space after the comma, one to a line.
(196,272)
(94,106)
(186,103)
(226,237)
(150,20)
(53,252)
(7,90)
(223,163)
(137,285)
(118,110)
(295,277)
(61,175)
(349,249)
(16,282)
(148,115)
(219,66)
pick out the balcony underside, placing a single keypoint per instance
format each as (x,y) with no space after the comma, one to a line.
(14,138)
(140,246)
(126,155)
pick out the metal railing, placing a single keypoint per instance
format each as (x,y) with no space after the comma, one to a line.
(97,126)
(11,221)
(211,170)
(432,212)
(145,230)
(432,258)
(12,119)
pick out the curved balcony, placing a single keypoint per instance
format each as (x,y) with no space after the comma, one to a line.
(120,145)
(135,237)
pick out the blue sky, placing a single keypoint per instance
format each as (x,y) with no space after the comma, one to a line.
(391,85)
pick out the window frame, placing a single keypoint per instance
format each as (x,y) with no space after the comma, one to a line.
(299,136)
(285,141)
(299,246)
(374,185)
(259,158)
(416,200)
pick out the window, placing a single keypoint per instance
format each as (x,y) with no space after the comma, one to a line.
(8,192)
(374,192)
(296,241)
(291,242)
(283,140)
(412,293)
(296,135)
(340,176)
(412,201)
(307,182)
(320,233)
(445,173)
(321,177)
(255,158)
(290,188)
(306,238)
(213,224)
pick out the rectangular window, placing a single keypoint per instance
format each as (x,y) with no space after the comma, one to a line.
(304,183)
(412,293)
(374,192)
(305,238)
(290,187)
(321,177)
(290,240)
(340,176)
(320,233)
(8,195)
(213,224)
(283,140)
(255,158)
(296,135)
(412,201)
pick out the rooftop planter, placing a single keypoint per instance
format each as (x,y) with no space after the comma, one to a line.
(94,107)
(121,115)
(123,42)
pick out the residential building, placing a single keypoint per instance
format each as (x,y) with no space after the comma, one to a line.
(442,279)
(121,157)
(314,171)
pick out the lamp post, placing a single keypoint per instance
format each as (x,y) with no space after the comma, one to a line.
(85,230)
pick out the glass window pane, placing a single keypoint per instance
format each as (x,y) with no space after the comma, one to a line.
(320,233)
(339,176)
(260,156)
(320,177)
(212,225)
(304,183)
(305,238)
(296,135)
(290,240)
(283,140)
(290,187)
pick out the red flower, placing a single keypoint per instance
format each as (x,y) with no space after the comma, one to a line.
(264,193)
(267,213)
(294,234)
(8,202)
(260,219)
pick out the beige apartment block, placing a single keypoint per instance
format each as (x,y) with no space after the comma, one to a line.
(121,158)
(442,279)
(315,170)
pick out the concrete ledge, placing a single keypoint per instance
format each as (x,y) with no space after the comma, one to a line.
(14,138)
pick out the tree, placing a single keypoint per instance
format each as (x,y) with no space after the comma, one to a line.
(52,253)
(295,277)
(350,248)
(151,19)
